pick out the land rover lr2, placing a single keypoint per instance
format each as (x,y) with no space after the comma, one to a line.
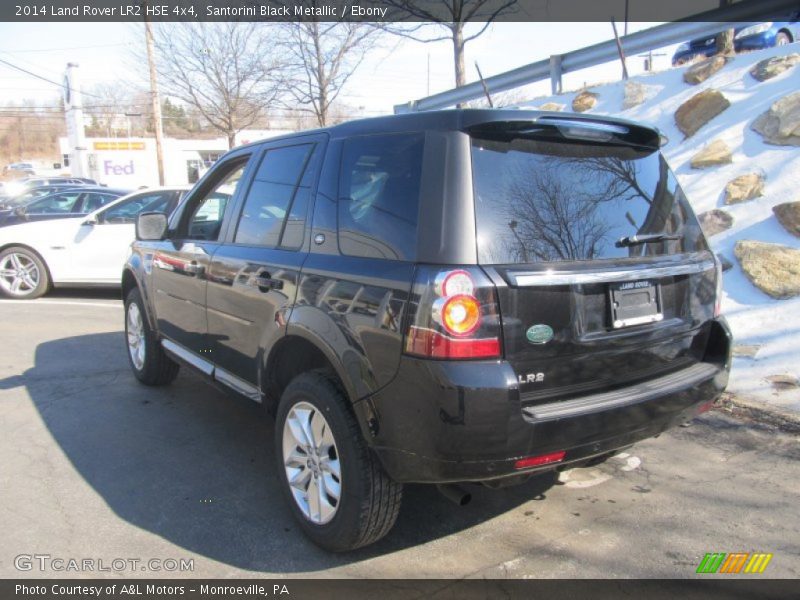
(440,297)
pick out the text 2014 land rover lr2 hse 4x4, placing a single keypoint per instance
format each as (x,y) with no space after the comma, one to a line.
(445,297)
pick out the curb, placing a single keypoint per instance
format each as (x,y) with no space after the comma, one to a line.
(762,412)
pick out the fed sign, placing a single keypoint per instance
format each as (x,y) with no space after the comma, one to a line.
(111,167)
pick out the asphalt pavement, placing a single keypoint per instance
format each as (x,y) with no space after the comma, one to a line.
(98,467)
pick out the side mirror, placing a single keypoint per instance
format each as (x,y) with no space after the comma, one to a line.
(151,226)
(91,221)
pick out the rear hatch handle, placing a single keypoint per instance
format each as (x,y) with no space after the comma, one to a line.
(632,273)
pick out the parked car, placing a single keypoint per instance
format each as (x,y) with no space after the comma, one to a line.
(752,37)
(441,297)
(77,251)
(28,195)
(16,188)
(70,202)
(19,167)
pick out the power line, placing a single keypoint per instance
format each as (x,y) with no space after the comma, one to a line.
(60,49)
(13,66)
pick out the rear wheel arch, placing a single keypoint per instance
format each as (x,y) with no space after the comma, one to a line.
(296,354)
(292,356)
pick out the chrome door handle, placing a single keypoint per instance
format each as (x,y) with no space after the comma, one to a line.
(265,283)
(194,268)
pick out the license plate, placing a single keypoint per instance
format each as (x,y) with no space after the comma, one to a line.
(634,303)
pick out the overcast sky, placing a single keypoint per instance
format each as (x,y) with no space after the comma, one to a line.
(394,74)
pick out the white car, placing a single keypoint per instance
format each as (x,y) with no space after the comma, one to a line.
(84,251)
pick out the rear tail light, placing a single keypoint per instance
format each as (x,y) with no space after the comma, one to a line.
(453,315)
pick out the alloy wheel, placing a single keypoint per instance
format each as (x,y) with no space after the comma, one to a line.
(19,274)
(136,341)
(311,460)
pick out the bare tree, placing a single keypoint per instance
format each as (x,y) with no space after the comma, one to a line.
(322,58)
(445,21)
(227,71)
(108,105)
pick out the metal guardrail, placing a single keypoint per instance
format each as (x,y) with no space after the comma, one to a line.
(553,68)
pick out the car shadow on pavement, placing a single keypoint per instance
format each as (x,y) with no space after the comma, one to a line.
(96,293)
(196,466)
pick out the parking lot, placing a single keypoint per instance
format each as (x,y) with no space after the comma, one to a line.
(97,466)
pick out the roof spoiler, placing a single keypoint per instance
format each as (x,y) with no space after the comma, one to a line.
(577,128)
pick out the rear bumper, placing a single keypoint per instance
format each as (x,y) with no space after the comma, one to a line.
(441,421)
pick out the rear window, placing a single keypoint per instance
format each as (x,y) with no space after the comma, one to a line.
(543,201)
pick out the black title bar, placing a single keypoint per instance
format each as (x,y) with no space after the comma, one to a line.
(710,588)
(385,11)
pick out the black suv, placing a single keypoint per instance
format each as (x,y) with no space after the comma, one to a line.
(442,297)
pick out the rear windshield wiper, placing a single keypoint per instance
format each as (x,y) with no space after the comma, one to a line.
(635,240)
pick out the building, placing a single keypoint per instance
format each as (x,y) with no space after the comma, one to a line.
(131,162)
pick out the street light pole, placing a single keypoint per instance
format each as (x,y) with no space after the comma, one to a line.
(148,34)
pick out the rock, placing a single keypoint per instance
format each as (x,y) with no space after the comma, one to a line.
(726,264)
(788,214)
(699,110)
(773,268)
(704,69)
(584,101)
(715,221)
(746,350)
(744,188)
(635,94)
(771,67)
(780,125)
(716,153)
(553,106)
(784,381)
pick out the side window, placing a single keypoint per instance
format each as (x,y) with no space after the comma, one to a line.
(379,189)
(275,209)
(126,211)
(206,213)
(94,200)
(57,203)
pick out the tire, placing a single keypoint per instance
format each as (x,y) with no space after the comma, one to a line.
(368,501)
(782,38)
(23,275)
(147,358)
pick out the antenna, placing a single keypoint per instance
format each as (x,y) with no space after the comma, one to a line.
(483,83)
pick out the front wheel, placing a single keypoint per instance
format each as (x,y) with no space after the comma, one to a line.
(23,275)
(782,39)
(337,489)
(147,358)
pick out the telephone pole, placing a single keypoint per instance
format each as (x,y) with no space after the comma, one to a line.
(148,34)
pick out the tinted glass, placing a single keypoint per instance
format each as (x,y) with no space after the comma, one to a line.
(205,222)
(57,203)
(379,195)
(94,200)
(277,191)
(125,212)
(551,201)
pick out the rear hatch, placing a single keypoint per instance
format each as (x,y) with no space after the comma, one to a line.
(604,277)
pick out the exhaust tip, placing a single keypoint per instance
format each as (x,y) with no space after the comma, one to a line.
(455,493)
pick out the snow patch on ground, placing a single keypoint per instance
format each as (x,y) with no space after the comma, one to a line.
(755,318)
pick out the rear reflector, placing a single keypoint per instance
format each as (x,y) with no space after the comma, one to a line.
(542,459)
(426,342)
